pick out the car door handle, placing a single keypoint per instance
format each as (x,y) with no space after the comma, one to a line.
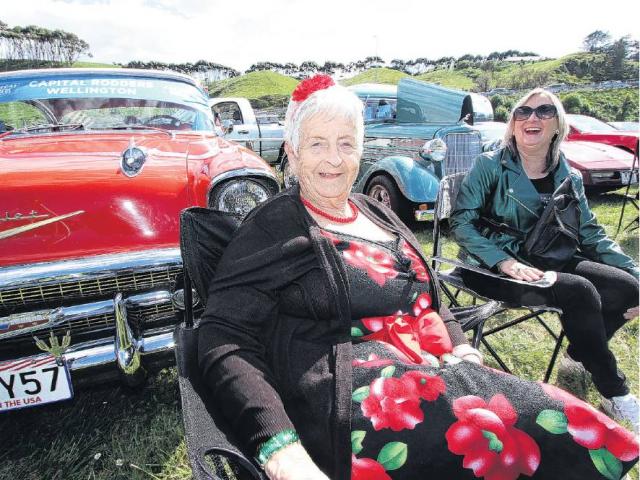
(243,131)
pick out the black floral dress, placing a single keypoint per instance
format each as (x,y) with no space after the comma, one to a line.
(418,412)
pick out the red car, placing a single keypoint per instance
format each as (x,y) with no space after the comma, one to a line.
(602,167)
(95,167)
(583,127)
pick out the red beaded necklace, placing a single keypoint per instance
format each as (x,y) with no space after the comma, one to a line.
(328,216)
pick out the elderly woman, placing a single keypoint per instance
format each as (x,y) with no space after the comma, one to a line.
(597,289)
(323,345)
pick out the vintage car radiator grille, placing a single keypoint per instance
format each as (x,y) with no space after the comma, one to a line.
(462,150)
(93,287)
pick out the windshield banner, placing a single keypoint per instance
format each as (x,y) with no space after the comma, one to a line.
(101,86)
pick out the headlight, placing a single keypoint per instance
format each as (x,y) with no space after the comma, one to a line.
(240,196)
(434,150)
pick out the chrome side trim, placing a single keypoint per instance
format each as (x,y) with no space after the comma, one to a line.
(79,268)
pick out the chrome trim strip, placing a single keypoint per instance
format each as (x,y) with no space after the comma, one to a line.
(79,268)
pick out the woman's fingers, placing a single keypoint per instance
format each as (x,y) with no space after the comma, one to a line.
(519,271)
(632,313)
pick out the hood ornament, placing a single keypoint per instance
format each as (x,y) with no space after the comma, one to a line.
(133,159)
(54,347)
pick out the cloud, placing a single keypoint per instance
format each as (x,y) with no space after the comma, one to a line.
(242,32)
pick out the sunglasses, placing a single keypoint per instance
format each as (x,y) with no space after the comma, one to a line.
(543,112)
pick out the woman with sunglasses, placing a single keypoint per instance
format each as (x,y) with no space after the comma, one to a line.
(597,290)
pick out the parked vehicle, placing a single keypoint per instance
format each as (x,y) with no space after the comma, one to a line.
(96,165)
(405,157)
(591,129)
(603,167)
(626,126)
(263,135)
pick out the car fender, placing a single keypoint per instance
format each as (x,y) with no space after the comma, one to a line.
(416,182)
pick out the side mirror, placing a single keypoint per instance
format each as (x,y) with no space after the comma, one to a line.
(227,126)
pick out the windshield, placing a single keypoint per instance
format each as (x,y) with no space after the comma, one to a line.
(86,102)
(589,124)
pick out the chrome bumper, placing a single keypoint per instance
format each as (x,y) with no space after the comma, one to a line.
(105,352)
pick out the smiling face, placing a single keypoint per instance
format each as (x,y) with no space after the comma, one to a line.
(327,161)
(534,135)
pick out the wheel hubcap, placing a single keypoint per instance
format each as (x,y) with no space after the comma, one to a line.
(381,194)
(288,177)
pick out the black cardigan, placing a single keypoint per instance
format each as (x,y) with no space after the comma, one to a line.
(268,368)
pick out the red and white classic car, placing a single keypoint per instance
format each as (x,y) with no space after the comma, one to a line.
(95,167)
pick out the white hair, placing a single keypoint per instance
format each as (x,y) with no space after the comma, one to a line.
(334,101)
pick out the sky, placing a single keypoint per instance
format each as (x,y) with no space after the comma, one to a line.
(238,33)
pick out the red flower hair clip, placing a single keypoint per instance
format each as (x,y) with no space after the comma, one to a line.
(310,85)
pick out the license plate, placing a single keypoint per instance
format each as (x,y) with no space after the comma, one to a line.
(624,177)
(33,382)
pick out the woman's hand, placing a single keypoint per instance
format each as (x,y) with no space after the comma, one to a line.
(468,353)
(632,313)
(520,271)
(293,463)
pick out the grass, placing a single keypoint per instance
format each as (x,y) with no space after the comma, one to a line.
(254,85)
(111,433)
(448,78)
(376,75)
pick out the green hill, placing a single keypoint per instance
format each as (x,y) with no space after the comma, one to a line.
(94,65)
(254,85)
(264,88)
(448,78)
(376,75)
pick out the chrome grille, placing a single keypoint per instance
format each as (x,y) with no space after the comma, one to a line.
(151,313)
(462,150)
(91,287)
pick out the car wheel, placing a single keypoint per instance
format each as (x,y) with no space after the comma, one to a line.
(288,177)
(383,189)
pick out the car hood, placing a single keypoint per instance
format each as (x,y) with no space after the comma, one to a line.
(421,102)
(66,196)
(596,156)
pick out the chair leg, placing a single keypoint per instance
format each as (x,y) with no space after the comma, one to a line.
(554,357)
(495,355)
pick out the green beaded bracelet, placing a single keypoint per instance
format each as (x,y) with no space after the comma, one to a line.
(274,444)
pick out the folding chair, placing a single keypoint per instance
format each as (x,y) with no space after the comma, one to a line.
(211,446)
(452,283)
(628,198)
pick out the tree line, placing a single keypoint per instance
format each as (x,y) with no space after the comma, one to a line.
(38,44)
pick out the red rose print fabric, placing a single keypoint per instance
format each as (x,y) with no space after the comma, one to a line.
(414,416)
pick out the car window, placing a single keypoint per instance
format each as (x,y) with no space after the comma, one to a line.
(589,124)
(380,109)
(17,115)
(230,111)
